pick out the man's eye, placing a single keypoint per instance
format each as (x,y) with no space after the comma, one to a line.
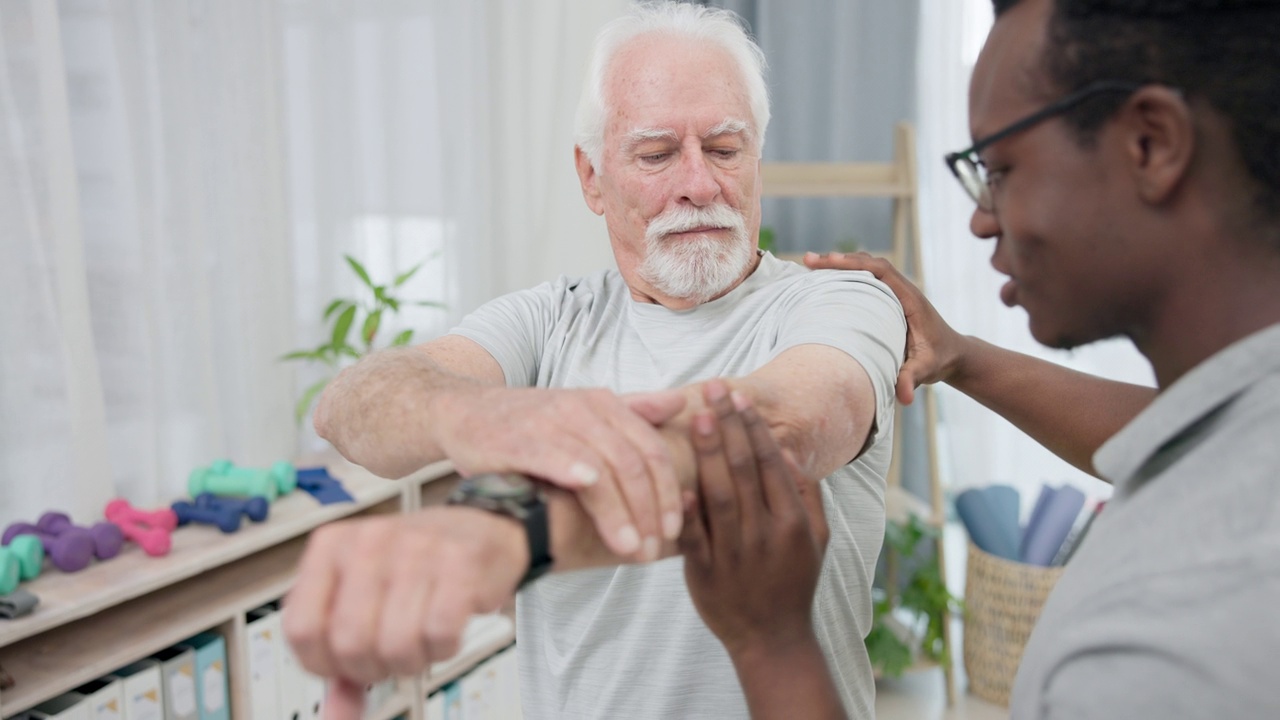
(654,158)
(725,153)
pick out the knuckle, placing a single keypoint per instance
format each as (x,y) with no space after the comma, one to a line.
(349,648)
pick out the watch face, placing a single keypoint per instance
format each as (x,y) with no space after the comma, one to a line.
(505,486)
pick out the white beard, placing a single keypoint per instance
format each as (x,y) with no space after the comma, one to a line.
(696,268)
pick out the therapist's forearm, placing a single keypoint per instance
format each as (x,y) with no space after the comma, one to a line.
(1070,413)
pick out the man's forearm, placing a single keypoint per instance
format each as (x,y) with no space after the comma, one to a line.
(373,413)
(1070,413)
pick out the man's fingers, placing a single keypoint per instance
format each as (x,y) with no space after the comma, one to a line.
(343,700)
(657,407)
(403,651)
(608,509)
(309,604)
(658,481)
(356,615)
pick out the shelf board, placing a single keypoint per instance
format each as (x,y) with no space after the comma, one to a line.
(197,549)
(478,645)
(834,180)
(77,652)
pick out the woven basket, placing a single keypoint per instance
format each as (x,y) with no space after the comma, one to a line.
(1002,603)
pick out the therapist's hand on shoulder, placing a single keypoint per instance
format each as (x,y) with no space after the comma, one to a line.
(754,536)
(934,348)
(604,447)
(380,597)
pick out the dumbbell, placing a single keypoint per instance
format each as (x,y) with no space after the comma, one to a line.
(227,520)
(20,559)
(256,508)
(223,478)
(107,538)
(70,551)
(151,530)
(120,512)
(10,573)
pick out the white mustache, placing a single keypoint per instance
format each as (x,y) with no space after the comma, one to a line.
(684,219)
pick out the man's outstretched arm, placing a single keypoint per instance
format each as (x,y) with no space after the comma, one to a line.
(1070,413)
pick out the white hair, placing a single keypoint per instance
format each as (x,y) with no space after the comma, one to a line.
(696,22)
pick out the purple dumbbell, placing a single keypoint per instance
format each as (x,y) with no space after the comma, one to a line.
(255,508)
(228,521)
(107,537)
(70,551)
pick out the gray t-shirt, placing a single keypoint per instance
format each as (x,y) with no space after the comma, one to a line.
(627,642)
(1169,609)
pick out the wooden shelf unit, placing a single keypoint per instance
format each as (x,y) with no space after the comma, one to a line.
(115,612)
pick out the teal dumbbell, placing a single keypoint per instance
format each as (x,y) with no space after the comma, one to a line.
(20,560)
(223,478)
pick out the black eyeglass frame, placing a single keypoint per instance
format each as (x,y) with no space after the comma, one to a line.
(981,191)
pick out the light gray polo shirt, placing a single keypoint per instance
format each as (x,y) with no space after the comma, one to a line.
(1171,607)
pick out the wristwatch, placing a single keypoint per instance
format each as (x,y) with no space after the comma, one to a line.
(516,497)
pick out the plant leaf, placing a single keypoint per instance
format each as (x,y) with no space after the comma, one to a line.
(333,307)
(300,355)
(343,326)
(370,329)
(308,397)
(403,277)
(360,271)
(346,349)
(392,303)
(430,303)
(402,339)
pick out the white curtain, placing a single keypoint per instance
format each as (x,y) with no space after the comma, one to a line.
(981,447)
(179,180)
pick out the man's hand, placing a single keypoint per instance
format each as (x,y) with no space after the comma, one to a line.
(601,445)
(934,349)
(754,539)
(387,596)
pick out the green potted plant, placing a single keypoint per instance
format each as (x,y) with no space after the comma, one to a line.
(369,314)
(908,613)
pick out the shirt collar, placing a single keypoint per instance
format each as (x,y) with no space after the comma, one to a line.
(1207,387)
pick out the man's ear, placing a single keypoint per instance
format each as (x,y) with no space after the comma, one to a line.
(1161,141)
(590,181)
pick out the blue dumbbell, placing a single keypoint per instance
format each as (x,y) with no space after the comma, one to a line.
(255,508)
(226,520)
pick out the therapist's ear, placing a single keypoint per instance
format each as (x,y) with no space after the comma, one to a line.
(590,181)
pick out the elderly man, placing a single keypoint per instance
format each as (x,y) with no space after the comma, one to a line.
(1125,163)
(670,130)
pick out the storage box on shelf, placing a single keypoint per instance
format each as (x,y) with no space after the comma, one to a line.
(114,613)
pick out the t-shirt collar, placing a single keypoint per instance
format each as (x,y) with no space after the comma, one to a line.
(1207,387)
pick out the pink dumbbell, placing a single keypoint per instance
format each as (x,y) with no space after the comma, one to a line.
(120,512)
(151,530)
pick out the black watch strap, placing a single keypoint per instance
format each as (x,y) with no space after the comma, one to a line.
(537,527)
(519,498)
